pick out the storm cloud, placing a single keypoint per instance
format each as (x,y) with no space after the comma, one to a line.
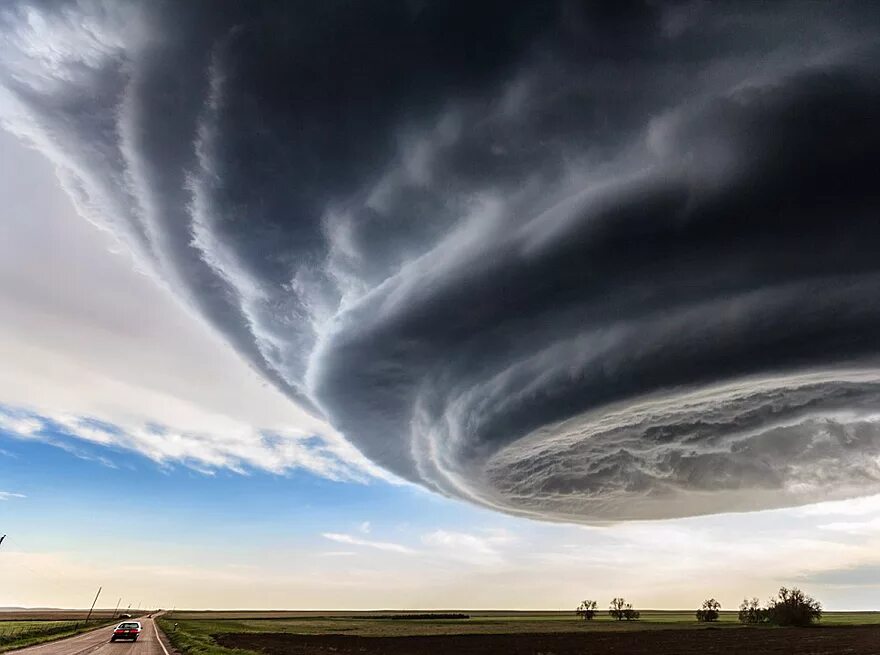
(565,261)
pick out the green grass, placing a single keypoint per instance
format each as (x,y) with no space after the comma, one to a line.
(851,618)
(195,639)
(8,628)
(18,634)
(194,635)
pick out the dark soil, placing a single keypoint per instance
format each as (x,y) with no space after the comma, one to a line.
(727,641)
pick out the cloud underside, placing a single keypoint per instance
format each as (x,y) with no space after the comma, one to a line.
(567,263)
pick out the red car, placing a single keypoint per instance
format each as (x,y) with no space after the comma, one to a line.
(128,630)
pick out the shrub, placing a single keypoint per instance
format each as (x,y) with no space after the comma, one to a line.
(750,611)
(630,614)
(793,607)
(790,607)
(620,610)
(586,610)
(709,610)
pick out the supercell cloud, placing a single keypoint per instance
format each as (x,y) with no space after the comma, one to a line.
(564,260)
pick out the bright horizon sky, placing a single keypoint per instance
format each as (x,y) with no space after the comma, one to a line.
(179,525)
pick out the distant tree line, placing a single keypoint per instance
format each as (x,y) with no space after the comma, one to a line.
(618,609)
(791,607)
(422,617)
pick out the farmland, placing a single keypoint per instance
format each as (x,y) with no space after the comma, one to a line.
(28,628)
(53,615)
(375,633)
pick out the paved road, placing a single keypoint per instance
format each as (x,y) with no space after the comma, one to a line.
(97,642)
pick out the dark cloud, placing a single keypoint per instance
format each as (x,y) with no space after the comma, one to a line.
(860,576)
(561,260)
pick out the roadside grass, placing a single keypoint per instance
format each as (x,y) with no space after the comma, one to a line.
(195,639)
(8,628)
(19,634)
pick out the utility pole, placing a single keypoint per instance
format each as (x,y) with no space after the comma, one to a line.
(117,607)
(89,615)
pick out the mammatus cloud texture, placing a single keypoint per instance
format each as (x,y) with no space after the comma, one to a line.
(568,262)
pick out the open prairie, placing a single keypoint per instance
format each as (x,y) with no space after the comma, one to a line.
(746,641)
(375,633)
(53,614)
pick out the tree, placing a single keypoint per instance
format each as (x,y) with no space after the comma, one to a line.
(709,610)
(616,608)
(630,614)
(586,610)
(790,607)
(620,610)
(750,611)
(793,607)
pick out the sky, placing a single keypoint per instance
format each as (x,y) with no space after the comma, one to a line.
(438,306)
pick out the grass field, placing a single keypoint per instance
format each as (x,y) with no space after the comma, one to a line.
(53,615)
(480,621)
(202,633)
(11,627)
(19,633)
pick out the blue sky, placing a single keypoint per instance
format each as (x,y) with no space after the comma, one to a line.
(173,503)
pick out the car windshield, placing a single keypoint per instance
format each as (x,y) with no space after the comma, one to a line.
(128,625)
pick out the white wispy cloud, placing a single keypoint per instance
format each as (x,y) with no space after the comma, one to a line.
(22,427)
(478,549)
(482,548)
(231,445)
(337,553)
(851,507)
(869,527)
(367,543)
(7,495)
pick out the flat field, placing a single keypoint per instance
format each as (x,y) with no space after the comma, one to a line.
(12,627)
(376,633)
(25,630)
(53,615)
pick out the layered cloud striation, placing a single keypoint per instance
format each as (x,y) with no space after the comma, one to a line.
(565,260)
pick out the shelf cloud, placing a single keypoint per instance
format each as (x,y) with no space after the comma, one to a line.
(567,262)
